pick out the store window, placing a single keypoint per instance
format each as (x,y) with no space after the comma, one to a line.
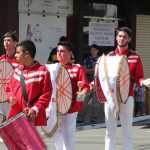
(99,24)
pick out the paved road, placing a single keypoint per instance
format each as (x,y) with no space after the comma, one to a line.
(92,137)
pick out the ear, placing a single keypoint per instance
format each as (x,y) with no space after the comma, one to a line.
(26,54)
(129,40)
(70,53)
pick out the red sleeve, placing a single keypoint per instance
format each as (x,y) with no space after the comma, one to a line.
(82,77)
(139,73)
(44,99)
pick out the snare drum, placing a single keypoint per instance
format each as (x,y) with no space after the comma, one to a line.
(20,134)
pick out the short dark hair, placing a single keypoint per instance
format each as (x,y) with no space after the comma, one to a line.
(67,44)
(124,29)
(12,35)
(63,39)
(94,46)
(27,45)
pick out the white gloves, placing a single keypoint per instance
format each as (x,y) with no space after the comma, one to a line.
(146,82)
(81,96)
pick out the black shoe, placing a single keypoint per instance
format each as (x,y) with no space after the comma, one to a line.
(93,122)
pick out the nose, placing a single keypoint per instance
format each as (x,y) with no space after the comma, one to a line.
(15,55)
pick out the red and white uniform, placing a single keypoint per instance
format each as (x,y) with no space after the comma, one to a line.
(77,73)
(64,136)
(11,60)
(126,110)
(136,68)
(38,87)
(5,107)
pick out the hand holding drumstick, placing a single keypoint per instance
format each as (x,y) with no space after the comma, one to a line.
(81,94)
(12,100)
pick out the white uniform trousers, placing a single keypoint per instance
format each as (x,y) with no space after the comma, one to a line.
(5,108)
(126,120)
(65,135)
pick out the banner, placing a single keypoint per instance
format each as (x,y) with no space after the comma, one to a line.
(101,33)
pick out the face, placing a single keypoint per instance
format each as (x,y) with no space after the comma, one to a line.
(20,55)
(123,39)
(9,44)
(94,51)
(63,55)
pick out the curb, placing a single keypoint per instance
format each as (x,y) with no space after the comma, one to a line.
(103,125)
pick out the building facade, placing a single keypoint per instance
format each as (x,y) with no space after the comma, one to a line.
(132,13)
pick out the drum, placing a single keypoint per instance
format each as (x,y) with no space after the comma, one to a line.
(51,111)
(20,134)
(114,77)
(61,99)
(99,91)
(63,91)
(6,70)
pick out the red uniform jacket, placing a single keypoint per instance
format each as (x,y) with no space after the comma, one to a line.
(38,87)
(11,60)
(136,68)
(77,73)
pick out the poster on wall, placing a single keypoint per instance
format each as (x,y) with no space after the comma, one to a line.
(43,22)
(101,33)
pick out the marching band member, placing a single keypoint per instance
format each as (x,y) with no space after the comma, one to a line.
(37,85)
(9,42)
(64,136)
(123,38)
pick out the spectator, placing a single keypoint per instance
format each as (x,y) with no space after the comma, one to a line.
(91,103)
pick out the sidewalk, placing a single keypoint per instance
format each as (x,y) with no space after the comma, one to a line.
(102,125)
(92,137)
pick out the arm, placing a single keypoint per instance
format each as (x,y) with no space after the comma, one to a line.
(139,73)
(83,84)
(44,98)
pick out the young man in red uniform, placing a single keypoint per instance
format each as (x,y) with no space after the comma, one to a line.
(9,42)
(37,83)
(123,38)
(64,136)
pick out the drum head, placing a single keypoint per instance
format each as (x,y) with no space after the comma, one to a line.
(99,91)
(123,81)
(6,70)
(63,91)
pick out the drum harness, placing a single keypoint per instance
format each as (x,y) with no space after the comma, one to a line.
(24,91)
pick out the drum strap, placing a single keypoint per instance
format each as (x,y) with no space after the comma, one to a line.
(24,91)
(106,75)
(23,86)
(127,54)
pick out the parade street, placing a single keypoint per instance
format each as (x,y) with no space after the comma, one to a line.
(92,137)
